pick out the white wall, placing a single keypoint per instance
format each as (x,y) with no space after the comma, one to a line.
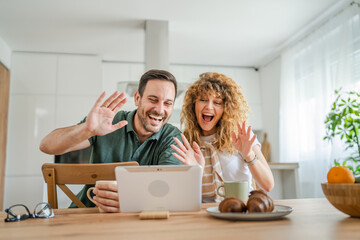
(270,92)
(5,54)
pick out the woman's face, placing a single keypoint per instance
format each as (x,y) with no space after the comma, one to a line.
(208,111)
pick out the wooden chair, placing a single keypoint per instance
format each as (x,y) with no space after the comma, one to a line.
(61,174)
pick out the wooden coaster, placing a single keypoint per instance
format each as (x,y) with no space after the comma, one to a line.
(154,214)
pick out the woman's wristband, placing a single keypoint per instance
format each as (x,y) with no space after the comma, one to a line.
(252,162)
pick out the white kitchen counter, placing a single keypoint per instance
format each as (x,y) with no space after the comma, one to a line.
(286,178)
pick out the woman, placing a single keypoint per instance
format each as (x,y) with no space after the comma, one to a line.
(215,113)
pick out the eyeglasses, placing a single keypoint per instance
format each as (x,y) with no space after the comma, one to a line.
(16,212)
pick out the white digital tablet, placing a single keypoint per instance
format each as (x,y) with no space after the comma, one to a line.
(173,188)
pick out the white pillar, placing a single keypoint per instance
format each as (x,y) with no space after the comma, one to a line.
(157,45)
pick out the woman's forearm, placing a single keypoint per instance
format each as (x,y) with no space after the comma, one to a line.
(261,171)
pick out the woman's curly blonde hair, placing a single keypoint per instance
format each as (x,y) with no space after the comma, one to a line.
(235,108)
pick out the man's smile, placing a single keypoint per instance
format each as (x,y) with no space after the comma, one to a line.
(155,118)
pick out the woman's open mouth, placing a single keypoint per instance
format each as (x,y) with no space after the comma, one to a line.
(207,117)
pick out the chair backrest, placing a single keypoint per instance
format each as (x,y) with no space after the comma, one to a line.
(56,174)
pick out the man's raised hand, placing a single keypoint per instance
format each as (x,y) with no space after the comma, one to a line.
(100,118)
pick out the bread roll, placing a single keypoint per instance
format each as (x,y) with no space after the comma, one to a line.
(259,201)
(232,204)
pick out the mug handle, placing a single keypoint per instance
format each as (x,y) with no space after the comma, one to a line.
(218,192)
(88,194)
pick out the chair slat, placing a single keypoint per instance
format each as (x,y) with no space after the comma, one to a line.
(72,196)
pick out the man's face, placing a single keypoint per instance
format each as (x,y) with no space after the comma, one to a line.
(154,107)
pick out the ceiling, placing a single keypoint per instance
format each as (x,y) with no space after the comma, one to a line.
(206,32)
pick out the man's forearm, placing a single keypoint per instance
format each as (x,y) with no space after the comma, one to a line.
(67,139)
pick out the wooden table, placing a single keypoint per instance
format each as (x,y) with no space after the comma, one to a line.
(311,219)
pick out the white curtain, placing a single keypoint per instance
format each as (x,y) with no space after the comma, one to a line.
(325,60)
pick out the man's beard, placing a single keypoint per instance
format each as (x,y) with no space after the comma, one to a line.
(143,117)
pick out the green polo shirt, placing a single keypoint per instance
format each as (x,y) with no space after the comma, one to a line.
(123,145)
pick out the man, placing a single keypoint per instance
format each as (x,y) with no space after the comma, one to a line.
(119,136)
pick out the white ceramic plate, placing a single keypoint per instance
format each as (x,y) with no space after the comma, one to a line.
(278,212)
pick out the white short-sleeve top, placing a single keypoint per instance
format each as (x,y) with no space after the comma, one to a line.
(232,166)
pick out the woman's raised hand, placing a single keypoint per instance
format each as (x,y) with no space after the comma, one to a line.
(186,154)
(242,141)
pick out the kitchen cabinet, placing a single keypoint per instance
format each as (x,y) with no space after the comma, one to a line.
(33,74)
(78,75)
(47,91)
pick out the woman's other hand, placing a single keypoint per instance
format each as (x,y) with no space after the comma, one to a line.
(186,154)
(243,143)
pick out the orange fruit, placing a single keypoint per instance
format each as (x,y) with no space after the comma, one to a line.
(340,174)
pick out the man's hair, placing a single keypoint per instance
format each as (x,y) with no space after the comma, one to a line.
(235,108)
(156,74)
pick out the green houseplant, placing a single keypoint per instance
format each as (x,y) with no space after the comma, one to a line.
(344,121)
